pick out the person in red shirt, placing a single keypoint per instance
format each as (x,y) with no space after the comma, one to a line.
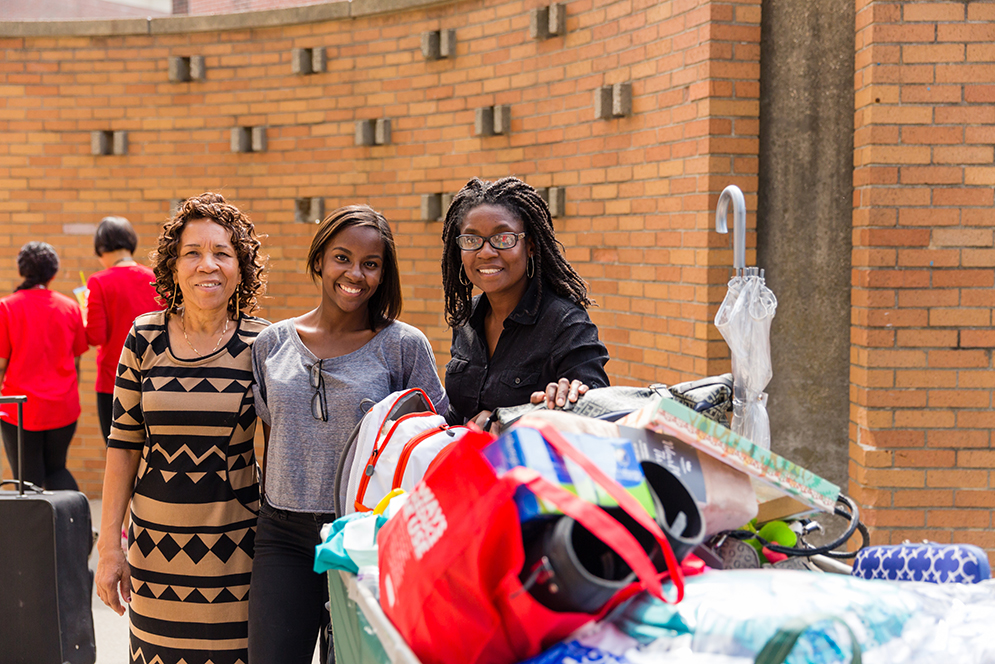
(118,294)
(41,339)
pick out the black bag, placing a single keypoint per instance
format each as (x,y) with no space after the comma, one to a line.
(607,403)
(711,396)
(45,584)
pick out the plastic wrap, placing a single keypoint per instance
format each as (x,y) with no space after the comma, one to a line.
(744,319)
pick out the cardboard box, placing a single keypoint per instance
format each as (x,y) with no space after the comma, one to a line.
(813,492)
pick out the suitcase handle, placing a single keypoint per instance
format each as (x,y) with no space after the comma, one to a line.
(28,485)
(19,400)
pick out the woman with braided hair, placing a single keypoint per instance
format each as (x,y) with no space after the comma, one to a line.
(41,339)
(180,450)
(527,336)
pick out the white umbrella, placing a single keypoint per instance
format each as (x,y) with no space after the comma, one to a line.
(743,319)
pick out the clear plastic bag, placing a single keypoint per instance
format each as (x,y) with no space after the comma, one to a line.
(735,613)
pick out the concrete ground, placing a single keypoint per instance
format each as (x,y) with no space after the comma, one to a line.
(112,629)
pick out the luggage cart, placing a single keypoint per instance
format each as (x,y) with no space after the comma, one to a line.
(362,632)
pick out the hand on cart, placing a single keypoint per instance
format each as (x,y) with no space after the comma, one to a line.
(557,394)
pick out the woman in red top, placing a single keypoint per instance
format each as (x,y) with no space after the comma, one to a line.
(119,293)
(41,339)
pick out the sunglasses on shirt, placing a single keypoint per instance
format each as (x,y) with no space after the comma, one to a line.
(319,408)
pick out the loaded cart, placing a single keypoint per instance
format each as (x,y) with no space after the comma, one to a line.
(748,592)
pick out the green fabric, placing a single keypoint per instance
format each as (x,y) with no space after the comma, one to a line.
(780,645)
(355,641)
(331,555)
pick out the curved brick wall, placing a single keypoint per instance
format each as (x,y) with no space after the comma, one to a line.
(639,190)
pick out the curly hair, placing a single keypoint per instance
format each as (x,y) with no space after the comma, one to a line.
(38,263)
(244,241)
(384,306)
(551,268)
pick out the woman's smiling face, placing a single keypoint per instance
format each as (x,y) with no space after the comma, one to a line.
(351,268)
(496,271)
(207,269)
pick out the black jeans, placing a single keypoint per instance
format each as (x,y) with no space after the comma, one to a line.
(105,413)
(287,598)
(45,455)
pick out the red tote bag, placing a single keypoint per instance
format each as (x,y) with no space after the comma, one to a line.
(450,560)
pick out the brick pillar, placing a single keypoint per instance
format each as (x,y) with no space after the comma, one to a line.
(921,362)
(710,141)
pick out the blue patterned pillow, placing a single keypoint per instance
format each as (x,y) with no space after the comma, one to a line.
(929,561)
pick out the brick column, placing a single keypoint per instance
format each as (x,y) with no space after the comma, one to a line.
(921,362)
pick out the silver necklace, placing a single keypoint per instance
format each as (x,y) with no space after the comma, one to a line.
(183,327)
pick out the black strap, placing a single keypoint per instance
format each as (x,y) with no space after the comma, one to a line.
(845,507)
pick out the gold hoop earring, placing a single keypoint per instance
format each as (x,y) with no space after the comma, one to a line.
(463,279)
(238,301)
(530,269)
(172,303)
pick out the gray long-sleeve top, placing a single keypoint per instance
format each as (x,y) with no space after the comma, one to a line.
(303,452)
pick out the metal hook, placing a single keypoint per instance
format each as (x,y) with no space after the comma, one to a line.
(733,194)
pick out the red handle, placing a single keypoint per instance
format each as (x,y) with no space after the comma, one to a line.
(597,521)
(624,499)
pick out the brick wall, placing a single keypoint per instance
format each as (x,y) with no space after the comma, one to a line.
(640,190)
(921,371)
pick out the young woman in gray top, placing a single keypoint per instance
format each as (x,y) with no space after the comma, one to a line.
(312,373)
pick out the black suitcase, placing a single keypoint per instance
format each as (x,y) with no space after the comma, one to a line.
(45,584)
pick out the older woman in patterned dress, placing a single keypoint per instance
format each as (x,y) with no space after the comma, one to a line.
(181,447)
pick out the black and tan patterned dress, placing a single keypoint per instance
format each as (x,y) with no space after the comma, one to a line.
(194,506)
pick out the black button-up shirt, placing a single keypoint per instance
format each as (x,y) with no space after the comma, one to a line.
(542,341)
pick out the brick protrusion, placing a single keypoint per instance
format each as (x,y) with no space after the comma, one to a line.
(556,200)
(381,131)
(174,206)
(613,101)
(492,121)
(309,210)
(119,142)
(373,132)
(431,207)
(248,139)
(185,68)
(435,206)
(438,44)
(305,61)
(108,142)
(549,21)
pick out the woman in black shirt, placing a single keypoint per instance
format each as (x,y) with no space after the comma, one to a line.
(527,336)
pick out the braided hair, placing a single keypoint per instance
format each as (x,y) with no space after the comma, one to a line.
(244,241)
(38,263)
(551,268)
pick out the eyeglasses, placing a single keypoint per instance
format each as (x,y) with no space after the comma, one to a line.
(319,409)
(498,241)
